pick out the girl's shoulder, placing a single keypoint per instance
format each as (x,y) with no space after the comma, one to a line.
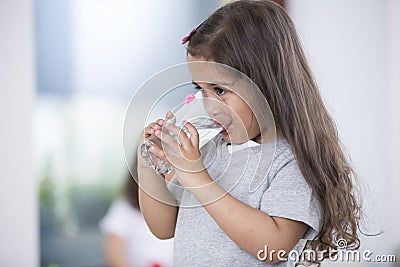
(282,156)
(283,150)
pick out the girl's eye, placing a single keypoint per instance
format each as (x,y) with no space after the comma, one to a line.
(220,91)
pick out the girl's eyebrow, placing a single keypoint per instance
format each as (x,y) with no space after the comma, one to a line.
(212,84)
(195,84)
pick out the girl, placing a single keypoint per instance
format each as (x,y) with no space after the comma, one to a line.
(308,193)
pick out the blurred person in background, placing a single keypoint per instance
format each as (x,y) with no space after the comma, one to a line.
(128,241)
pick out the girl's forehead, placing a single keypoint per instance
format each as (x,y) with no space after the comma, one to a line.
(204,70)
(212,74)
(208,74)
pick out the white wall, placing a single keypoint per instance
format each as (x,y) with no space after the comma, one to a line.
(18,223)
(117,45)
(353,47)
(394,53)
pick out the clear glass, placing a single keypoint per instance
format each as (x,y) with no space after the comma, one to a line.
(193,111)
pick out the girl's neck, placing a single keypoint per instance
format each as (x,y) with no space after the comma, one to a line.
(267,136)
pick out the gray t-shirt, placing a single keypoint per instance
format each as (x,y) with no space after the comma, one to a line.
(278,189)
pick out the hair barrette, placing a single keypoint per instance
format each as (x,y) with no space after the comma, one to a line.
(187,37)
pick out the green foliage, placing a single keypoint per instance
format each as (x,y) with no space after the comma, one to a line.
(46,190)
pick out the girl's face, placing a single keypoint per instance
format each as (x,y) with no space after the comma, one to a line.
(228,108)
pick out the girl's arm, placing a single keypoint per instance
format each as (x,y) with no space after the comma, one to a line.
(157,204)
(159,216)
(248,227)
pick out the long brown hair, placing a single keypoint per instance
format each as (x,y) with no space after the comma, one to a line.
(259,39)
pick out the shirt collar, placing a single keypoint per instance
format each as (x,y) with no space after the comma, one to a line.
(236,147)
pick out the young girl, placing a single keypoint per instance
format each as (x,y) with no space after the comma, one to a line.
(308,193)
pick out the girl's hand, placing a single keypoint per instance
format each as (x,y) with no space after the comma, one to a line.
(180,150)
(157,150)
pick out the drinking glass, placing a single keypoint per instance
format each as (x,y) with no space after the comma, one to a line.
(193,111)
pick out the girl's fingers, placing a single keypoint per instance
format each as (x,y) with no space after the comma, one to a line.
(180,134)
(166,139)
(194,134)
(153,127)
(158,152)
(184,139)
(170,117)
(160,122)
(149,130)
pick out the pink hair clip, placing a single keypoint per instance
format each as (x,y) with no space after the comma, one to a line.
(187,37)
(189,98)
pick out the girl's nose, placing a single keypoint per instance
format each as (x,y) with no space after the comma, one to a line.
(211,101)
(213,106)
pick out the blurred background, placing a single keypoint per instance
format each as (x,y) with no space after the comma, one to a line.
(68,69)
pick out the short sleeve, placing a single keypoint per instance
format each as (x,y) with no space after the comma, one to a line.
(289,196)
(119,218)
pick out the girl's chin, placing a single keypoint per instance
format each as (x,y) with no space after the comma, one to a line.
(226,138)
(232,140)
